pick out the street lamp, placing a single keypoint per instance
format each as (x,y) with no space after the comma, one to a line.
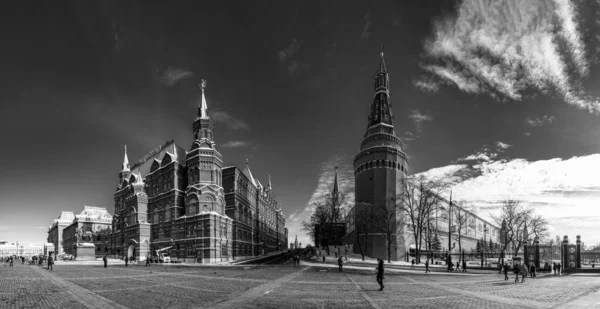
(485,230)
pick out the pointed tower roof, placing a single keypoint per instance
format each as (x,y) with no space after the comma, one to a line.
(382,62)
(336,187)
(125,161)
(248,174)
(203,107)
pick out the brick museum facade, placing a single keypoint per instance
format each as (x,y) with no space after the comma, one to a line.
(189,201)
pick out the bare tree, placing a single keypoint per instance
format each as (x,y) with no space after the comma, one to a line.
(417,201)
(330,210)
(364,217)
(385,223)
(539,228)
(513,217)
(461,217)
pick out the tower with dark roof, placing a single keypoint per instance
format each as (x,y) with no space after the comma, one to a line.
(381,165)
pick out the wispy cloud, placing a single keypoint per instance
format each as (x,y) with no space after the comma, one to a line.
(553,187)
(418,118)
(325,185)
(286,57)
(502,146)
(366,31)
(290,51)
(230,121)
(171,75)
(235,144)
(540,121)
(503,48)
(528,134)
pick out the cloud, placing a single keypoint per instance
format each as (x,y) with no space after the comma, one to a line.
(290,51)
(172,75)
(540,121)
(484,154)
(293,66)
(502,146)
(227,119)
(325,185)
(528,134)
(504,48)
(564,191)
(418,118)
(426,85)
(235,144)
(366,33)
(409,136)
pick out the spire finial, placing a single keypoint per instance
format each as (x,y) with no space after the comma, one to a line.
(382,47)
(382,62)
(203,106)
(336,187)
(125,161)
(246,161)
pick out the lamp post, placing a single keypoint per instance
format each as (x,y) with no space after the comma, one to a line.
(449,224)
(485,230)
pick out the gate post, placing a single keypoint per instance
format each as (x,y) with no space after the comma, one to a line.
(565,253)
(578,253)
(526,255)
(537,254)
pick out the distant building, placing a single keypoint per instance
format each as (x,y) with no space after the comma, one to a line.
(55,231)
(330,236)
(94,222)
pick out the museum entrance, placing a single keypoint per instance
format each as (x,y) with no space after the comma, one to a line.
(131,252)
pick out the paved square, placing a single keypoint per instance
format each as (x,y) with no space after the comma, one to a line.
(281,286)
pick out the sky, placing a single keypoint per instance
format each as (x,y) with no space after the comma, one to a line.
(497,99)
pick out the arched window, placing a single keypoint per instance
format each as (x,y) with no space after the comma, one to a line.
(192,207)
(168,212)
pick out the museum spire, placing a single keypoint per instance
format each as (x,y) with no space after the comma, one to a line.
(203,108)
(125,161)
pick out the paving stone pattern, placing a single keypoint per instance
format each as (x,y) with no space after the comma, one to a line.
(280,286)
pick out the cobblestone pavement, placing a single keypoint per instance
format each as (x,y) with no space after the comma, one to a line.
(281,286)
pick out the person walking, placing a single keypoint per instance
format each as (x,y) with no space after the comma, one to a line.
(105,260)
(505,269)
(554,268)
(523,273)
(340,263)
(380,273)
(323,258)
(532,270)
(148,260)
(50,262)
(126,261)
(10,261)
(516,270)
(558,268)
(412,264)
(427,266)
(464,266)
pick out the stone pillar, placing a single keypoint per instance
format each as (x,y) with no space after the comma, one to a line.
(526,260)
(565,253)
(578,253)
(537,254)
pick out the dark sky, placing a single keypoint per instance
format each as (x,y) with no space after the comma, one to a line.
(289,84)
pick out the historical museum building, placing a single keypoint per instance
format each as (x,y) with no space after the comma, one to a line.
(379,168)
(191,206)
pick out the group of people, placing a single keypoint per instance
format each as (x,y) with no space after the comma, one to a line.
(33,260)
(522,270)
(296,259)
